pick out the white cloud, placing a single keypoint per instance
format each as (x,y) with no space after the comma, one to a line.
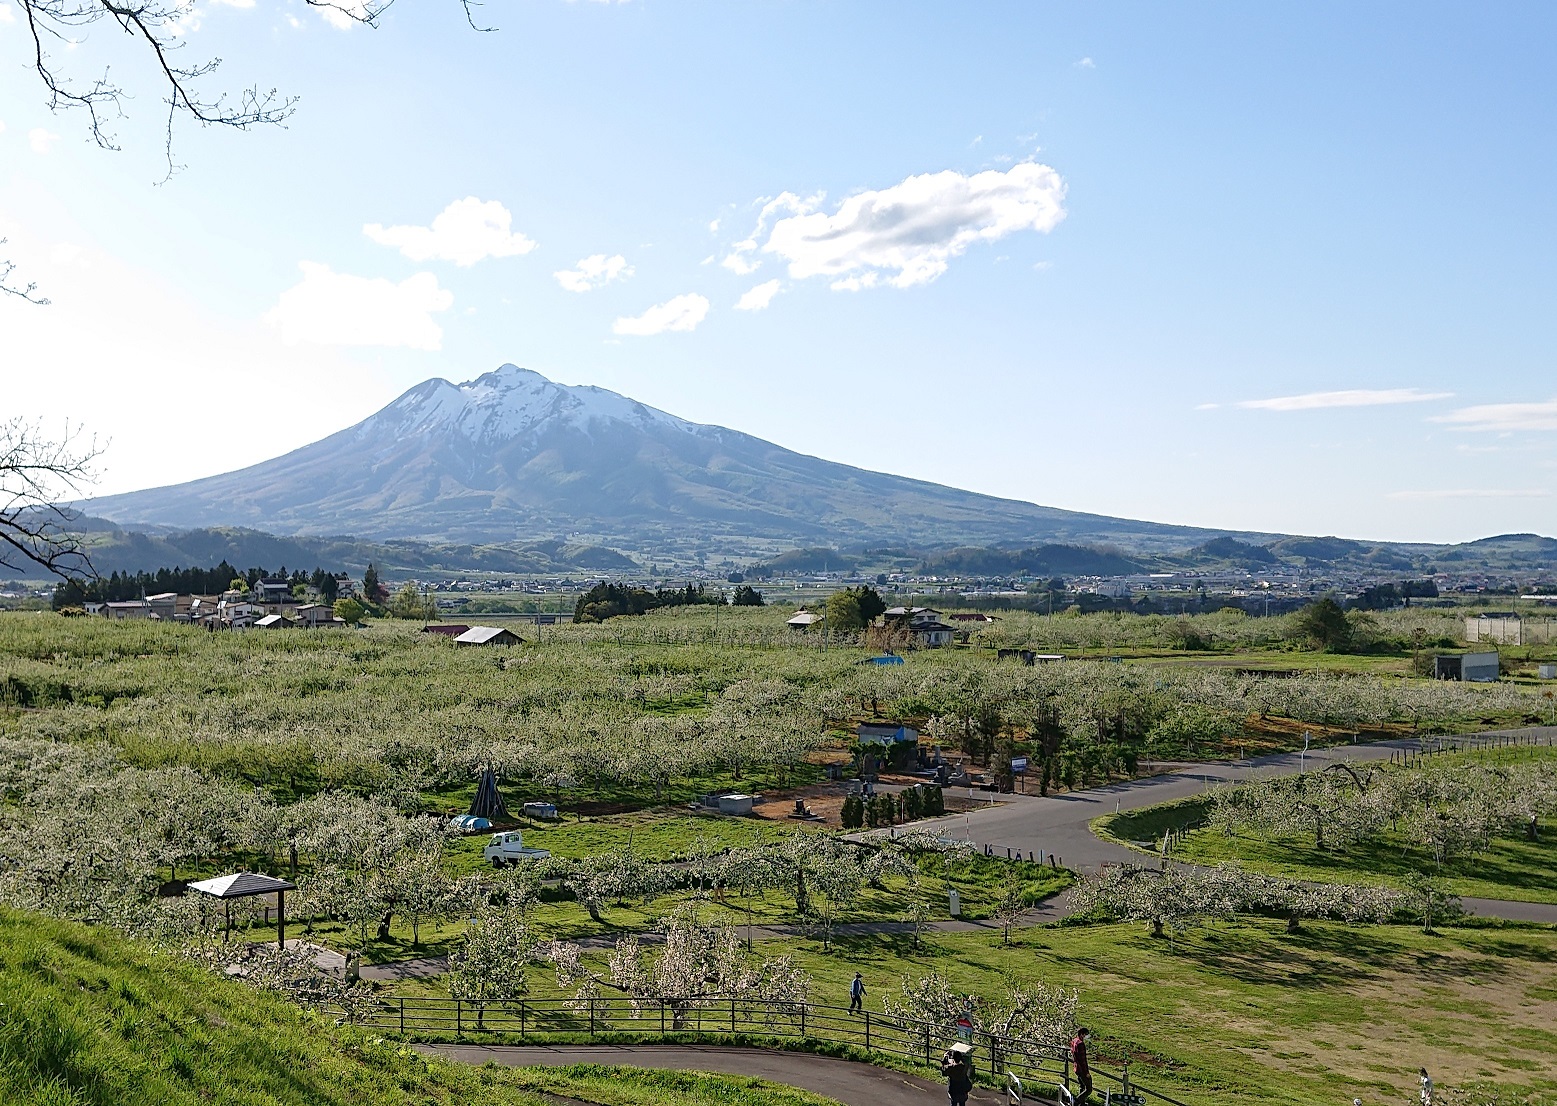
(115,325)
(1086,63)
(595,271)
(338,309)
(758,298)
(1356,397)
(907,234)
(1472,493)
(232,3)
(1504,417)
(465,232)
(6,14)
(740,260)
(682,313)
(41,140)
(713,226)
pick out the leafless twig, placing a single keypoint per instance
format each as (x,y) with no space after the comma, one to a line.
(36,471)
(26,291)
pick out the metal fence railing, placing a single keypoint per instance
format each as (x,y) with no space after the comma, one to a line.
(1041,1069)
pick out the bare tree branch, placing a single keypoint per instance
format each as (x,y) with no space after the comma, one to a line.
(26,291)
(36,472)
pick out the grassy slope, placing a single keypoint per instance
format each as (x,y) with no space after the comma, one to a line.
(90,1019)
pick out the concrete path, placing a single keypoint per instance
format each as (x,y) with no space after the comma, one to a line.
(851,1083)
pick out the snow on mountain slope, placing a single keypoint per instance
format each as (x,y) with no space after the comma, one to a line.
(512,455)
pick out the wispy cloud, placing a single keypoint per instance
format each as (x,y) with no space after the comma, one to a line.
(1503,417)
(595,271)
(758,298)
(41,141)
(1473,493)
(1086,63)
(1355,397)
(681,313)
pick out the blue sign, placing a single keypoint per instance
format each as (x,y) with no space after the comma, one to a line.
(1018,764)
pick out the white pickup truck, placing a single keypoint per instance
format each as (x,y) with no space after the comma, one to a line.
(508,848)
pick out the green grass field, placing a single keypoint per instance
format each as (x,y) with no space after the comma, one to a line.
(91,1019)
(1243,1011)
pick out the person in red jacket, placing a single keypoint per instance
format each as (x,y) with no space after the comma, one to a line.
(1078,1059)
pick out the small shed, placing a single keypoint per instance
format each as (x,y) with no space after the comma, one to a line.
(736,804)
(243,885)
(1547,671)
(488,635)
(274,622)
(803,619)
(1470,667)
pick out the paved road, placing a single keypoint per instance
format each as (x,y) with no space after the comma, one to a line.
(850,1083)
(1057,825)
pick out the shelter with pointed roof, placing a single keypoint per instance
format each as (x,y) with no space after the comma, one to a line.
(242,885)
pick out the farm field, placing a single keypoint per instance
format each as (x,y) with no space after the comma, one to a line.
(138,756)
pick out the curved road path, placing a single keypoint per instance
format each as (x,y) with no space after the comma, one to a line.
(1059,825)
(851,1083)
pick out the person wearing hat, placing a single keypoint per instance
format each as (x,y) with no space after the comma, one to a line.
(857,994)
(957,1067)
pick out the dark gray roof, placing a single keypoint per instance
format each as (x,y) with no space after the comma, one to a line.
(242,884)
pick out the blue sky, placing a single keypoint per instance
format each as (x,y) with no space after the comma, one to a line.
(1275,267)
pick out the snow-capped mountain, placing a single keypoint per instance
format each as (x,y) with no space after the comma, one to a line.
(512,455)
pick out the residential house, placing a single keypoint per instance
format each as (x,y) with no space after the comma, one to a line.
(275,590)
(313,615)
(169,605)
(923,624)
(129,608)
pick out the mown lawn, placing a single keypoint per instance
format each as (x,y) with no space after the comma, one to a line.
(1242,1011)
